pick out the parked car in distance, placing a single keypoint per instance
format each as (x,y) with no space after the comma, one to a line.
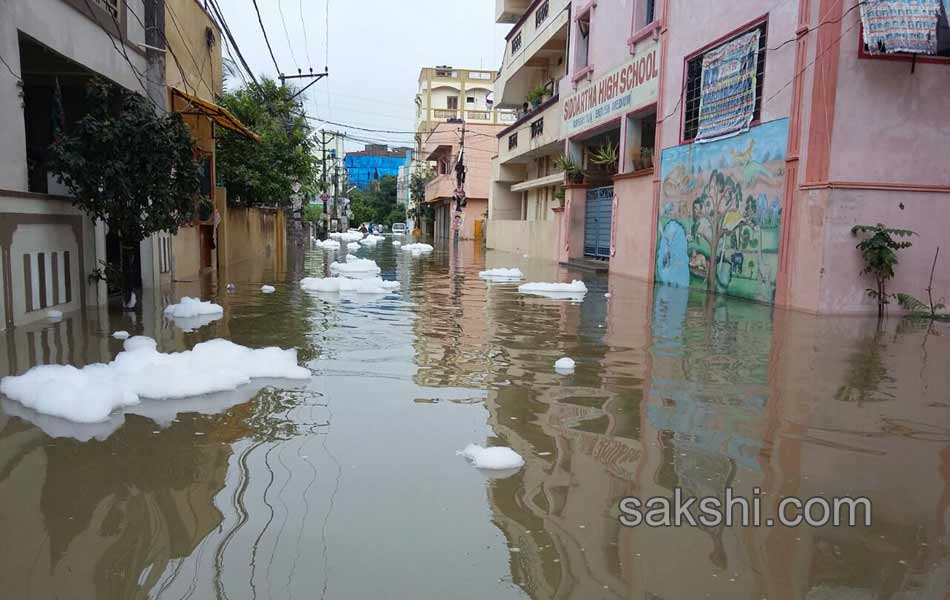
(399,228)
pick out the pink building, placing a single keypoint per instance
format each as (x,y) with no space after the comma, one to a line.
(442,148)
(751,189)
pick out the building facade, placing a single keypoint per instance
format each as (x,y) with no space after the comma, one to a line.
(48,247)
(373,162)
(526,180)
(750,188)
(449,146)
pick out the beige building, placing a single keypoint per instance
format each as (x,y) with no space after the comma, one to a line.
(449,94)
(442,148)
(525,181)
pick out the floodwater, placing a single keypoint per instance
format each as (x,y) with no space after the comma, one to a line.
(349,486)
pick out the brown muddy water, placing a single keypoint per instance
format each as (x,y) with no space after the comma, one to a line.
(348,485)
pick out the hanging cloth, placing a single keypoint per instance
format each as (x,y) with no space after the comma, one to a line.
(727,91)
(908,26)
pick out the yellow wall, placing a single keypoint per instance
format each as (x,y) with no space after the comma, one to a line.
(186,23)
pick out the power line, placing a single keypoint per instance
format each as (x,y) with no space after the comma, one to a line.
(266,39)
(283,22)
(237,49)
(306,38)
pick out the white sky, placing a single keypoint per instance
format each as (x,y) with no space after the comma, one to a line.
(376,48)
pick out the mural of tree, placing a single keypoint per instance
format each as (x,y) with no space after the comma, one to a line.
(721,196)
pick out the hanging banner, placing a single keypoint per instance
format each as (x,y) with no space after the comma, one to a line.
(727,91)
(901,25)
(625,89)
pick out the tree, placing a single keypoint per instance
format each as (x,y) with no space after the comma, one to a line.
(313,212)
(417,184)
(377,204)
(127,165)
(879,251)
(263,173)
(720,195)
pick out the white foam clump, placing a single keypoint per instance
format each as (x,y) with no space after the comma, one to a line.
(120,335)
(372,240)
(564,365)
(374,285)
(328,244)
(268,289)
(416,249)
(348,236)
(358,266)
(574,290)
(352,246)
(397,243)
(90,394)
(54,315)
(501,274)
(496,458)
(192,307)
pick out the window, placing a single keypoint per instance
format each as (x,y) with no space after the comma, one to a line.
(583,42)
(110,6)
(650,12)
(943,37)
(541,14)
(452,102)
(512,141)
(445,72)
(516,43)
(470,100)
(694,79)
(537,128)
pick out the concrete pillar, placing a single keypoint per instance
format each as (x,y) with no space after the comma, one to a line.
(13,172)
(100,289)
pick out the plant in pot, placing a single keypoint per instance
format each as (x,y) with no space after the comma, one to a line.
(536,95)
(560,195)
(205,208)
(606,157)
(573,173)
(643,159)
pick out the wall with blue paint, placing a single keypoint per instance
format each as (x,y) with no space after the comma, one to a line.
(362,170)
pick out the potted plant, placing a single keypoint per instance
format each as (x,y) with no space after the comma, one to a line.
(643,159)
(573,173)
(606,156)
(559,195)
(536,95)
(205,208)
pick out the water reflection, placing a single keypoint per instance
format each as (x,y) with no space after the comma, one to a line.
(348,486)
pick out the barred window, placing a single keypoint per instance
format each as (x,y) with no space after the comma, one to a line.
(516,43)
(694,83)
(541,14)
(110,6)
(537,128)
(513,141)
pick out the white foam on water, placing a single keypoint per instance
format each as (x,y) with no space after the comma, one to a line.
(355,266)
(416,249)
(346,237)
(557,291)
(268,289)
(329,244)
(496,458)
(91,394)
(564,365)
(501,274)
(193,307)
(374,285)
(120,335)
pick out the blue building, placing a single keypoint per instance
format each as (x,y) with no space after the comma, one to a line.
(374,162)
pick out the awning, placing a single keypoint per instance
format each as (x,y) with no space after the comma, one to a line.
(218,114)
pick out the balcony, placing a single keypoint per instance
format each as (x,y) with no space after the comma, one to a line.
(442,186)
(538,39)
(509,11)
(537,133)
(486,117)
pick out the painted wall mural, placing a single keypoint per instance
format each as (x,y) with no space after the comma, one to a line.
(721,211)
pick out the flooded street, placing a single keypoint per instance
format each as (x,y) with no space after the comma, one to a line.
(348,485)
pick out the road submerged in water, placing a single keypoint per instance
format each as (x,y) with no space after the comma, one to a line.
(348,485)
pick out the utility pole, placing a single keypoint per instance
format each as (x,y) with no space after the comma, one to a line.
(459,188)
(301,75)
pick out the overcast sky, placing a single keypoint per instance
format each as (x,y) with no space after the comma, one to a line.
(376,48)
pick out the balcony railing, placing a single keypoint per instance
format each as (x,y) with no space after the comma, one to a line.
(441,113)
(541,14)
(537,128)
(513,141)
(110,6)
